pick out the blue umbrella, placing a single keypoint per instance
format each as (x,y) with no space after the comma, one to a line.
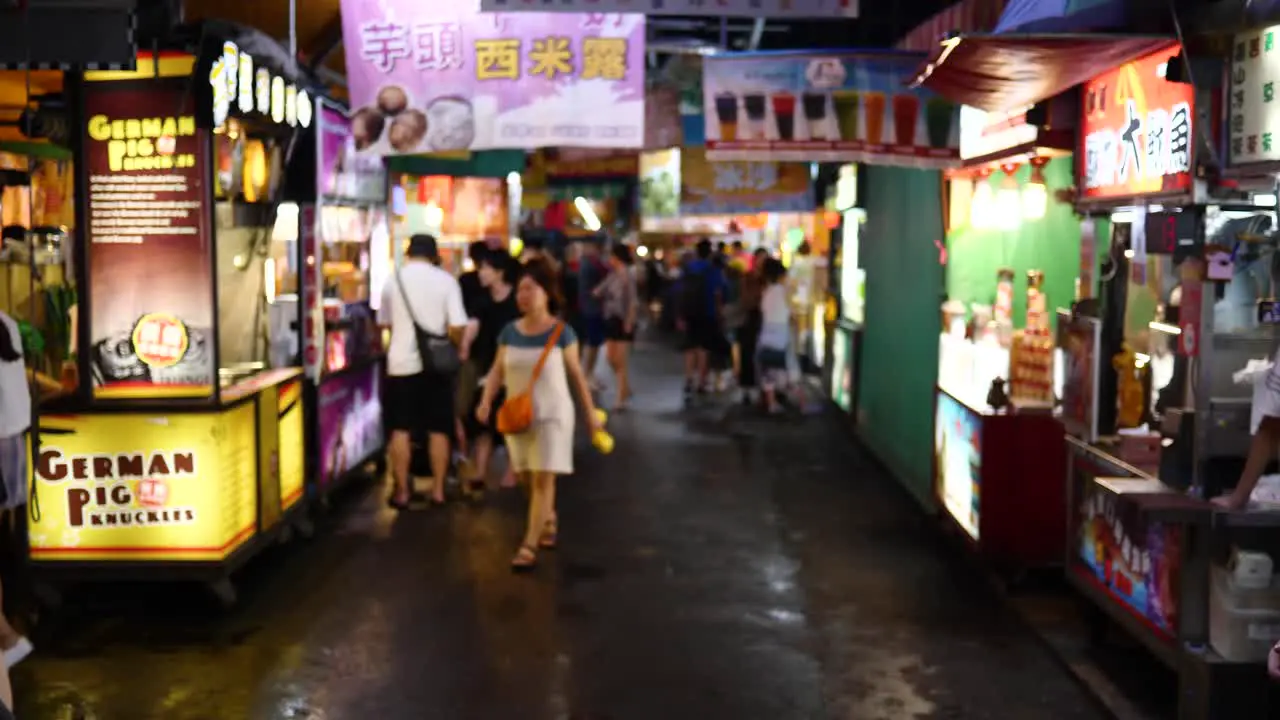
(1061,16)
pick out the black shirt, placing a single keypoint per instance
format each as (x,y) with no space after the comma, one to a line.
(494,316)
(474,295)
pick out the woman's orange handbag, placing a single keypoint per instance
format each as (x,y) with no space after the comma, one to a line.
(515,416)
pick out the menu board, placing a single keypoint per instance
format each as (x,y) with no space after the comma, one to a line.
(149,250)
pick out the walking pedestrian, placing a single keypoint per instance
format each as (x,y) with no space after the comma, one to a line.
(538,354)
(748,335)
(474,298)
(15,420)
(775,334)
(591,272)
(420,297)
(621,307)
(498,273)
(699,296)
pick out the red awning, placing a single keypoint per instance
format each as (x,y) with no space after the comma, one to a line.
(1005,72)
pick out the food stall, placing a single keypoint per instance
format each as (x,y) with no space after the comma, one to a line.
(1011,249)
(1163,361)
(178,450)
(331,251)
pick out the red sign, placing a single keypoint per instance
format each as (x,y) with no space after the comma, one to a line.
(1189,317)
(1137,131)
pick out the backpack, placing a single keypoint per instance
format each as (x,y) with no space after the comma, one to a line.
(694,294)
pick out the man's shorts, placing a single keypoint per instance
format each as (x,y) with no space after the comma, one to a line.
(419,404)
(703,333)
(592,331)
(615,329)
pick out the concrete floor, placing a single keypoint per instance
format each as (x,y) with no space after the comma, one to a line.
(716,565)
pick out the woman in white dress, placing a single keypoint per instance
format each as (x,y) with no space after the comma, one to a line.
(546,449)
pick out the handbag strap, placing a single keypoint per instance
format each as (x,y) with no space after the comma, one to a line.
(546,350)
(409,307)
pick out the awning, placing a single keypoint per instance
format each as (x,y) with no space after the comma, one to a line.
(1005,72)
(1062,15)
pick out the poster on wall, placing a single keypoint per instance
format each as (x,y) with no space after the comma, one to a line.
(145,168)
(730,187)
(446,77)
(957,450)
(350,412)
(1136,128)
(826,107)
(660,183)
(341,172)
(1081,341)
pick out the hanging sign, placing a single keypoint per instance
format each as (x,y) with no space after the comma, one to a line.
(704,8)
(985,133)
(238,88)
(1136,130)
(1255,109)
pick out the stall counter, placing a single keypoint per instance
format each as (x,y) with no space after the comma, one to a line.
(999,478)
(172,486)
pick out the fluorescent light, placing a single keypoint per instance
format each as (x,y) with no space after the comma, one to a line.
(269,278)
(588,214)
(433,215)
(1128,254)
(1141,360)
(1122,216)
(642,251)
(1165,328)
(1264,199)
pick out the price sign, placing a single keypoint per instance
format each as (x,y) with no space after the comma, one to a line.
(1168,232)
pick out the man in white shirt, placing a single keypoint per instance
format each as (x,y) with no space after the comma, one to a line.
(419,403)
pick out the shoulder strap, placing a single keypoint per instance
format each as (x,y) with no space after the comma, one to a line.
(546,350)
(404,297)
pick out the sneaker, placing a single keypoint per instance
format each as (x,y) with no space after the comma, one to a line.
(18,652)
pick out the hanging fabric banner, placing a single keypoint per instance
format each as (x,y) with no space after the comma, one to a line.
(439,76)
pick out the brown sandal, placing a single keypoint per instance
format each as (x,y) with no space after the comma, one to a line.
(548,540)
(526,559)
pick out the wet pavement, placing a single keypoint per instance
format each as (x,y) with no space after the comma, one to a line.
(716,565)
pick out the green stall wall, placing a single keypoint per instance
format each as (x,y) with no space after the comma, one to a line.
(1050,244)
(899,362)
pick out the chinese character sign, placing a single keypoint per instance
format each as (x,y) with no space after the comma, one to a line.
(1136,131)
(1254,122)
(714,8)
(438,76)
(841,107)
(728,187)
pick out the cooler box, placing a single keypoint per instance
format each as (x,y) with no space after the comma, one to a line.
(1243,623)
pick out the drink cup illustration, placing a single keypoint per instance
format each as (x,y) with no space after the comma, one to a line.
(845,104)
(815,115)
(938,116)
(727,115)
(784,113)
(906,113)
(755,106)
(873,103)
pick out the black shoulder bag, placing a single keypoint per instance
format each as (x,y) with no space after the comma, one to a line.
(439,354)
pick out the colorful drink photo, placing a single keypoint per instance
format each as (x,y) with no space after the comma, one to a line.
(845,103)
(727,115)
(784,114)
(755,107)
(939,114)
(815,115)
(906,115)
(873,103)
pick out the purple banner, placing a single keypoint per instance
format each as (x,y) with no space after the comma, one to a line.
(341,172)
(439,76)
(350,421)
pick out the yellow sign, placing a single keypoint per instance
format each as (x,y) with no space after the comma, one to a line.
(292,448)
(726,188)
(143,143)
(142,486)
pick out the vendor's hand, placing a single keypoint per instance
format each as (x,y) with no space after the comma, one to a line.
(483,413)
(593,421)
(1230,502)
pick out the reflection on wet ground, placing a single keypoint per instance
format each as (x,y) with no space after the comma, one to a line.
(714,566)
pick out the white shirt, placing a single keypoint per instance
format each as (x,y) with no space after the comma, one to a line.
(437,306)
(776,314)
(15,395)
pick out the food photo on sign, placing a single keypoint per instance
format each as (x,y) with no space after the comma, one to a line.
(439,79)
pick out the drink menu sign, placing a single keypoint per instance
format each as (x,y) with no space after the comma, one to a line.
(1255,108)
(1137,131)
(840,107)
(149,261)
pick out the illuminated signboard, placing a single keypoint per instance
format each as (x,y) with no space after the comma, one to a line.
(1255,107)
(1136,129)
(236,84)
(988,133)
